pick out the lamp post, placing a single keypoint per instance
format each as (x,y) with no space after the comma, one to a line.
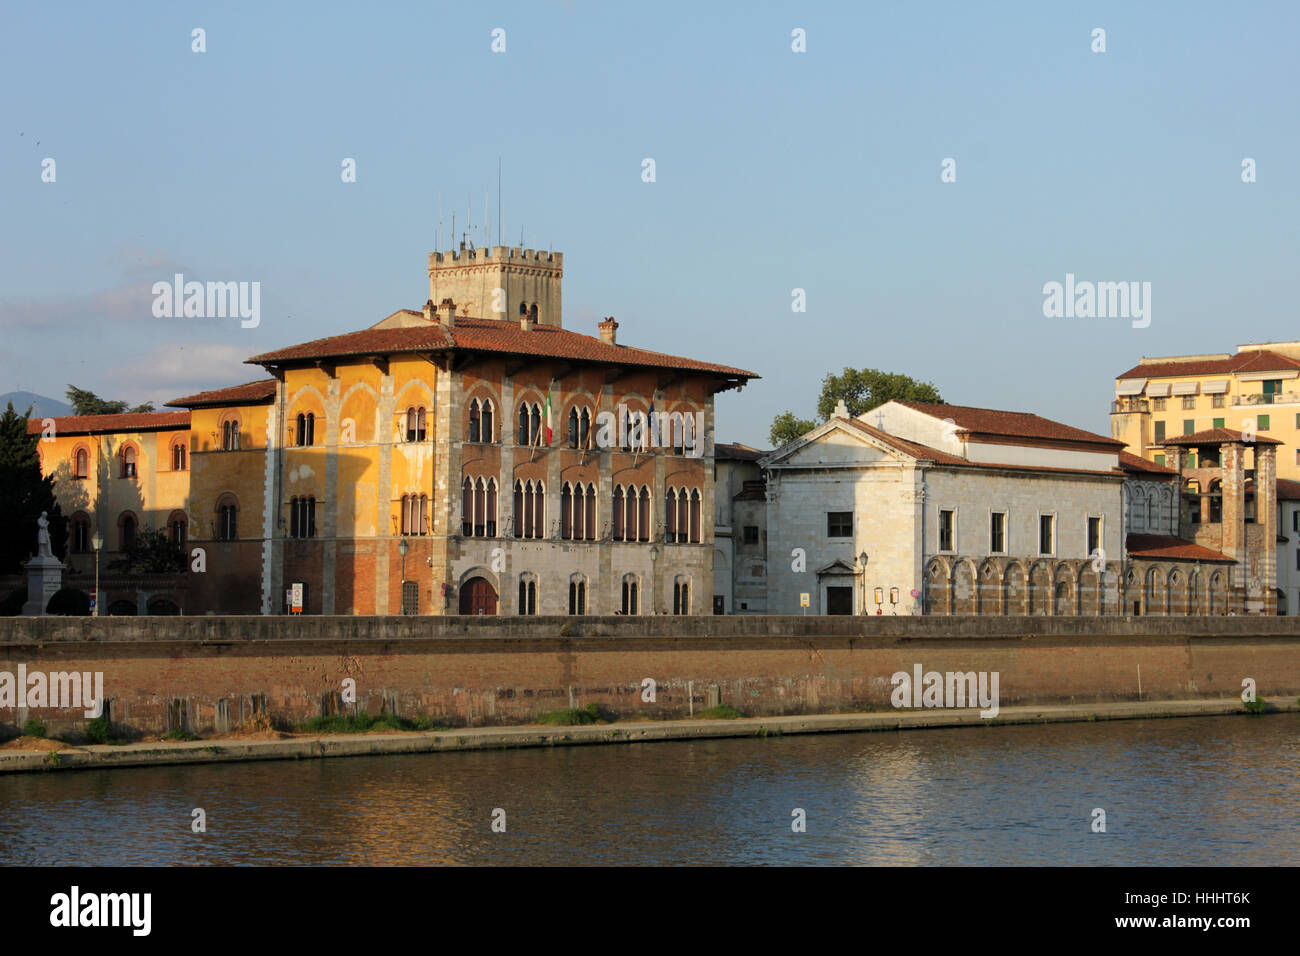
(97,542)
(402,549)
(862,562)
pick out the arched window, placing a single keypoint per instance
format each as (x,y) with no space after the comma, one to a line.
(577,595)
(670,516)
(631,594)
(474,421)
(695,516)
(230,435)
(521,436)
(467,507)
(527,595)
(589,522)
(302,517)
(532,312)
(486,430)
(566,510)
(415,422)
(618,513)
(530,509)
(128,461)
(227,518)
(584,432)
(177,528)
(126,531)
(306,431)
(629,517)
(415,514)
(178,456)
(81,464)
(573,427)
(681,597)
(643,515)
(536,422)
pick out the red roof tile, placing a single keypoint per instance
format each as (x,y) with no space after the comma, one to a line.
(1261,360)
(1220,436)
(1166,547)
(1288,490)
(1129,462)
(487,335)
(126,422)
(251,393)
(992,421)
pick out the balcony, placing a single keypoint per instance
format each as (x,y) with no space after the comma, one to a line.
(1272,398)
(1122,405)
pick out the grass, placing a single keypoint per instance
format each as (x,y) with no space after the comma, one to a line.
(180,733)
(362,723)
(100,731)
(724,712)
(1256,706)
(34,728)
(53,759)
(575,716)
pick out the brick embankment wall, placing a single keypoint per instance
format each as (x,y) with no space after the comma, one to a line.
(209,673)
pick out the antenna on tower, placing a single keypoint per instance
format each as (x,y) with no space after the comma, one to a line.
(499,233)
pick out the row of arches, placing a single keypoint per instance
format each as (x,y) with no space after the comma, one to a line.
(128,458)
(1071,588)
(81,532)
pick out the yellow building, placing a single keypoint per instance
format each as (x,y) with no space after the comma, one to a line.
(1257,390)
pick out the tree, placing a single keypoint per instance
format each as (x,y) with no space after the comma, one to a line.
(25,493)
(150,552)
(861,390)
(786,428)
(85,402)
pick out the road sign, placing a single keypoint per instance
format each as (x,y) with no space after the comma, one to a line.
(295,598)
(805,599)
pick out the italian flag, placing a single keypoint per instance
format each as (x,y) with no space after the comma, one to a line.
(548,417)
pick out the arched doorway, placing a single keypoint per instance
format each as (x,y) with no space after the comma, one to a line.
(162,606)
(122,609)
(477,596)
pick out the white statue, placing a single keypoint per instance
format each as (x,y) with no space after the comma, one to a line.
(43,537)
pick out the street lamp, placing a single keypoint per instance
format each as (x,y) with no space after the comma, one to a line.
(862,563)
(97,542)
(402,549)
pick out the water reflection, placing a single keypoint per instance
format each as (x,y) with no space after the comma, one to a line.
(1219,790)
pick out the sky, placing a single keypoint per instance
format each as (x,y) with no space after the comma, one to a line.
(774,171)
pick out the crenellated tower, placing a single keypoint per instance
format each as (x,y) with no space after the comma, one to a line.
(529,279)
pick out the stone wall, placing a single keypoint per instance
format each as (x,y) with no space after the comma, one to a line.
(208,673)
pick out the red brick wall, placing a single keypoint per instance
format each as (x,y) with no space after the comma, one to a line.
(486,672)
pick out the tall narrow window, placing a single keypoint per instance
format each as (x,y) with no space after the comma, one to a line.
(527,596)
(490,508)
(681,597)
(584,428)
(480,507)
(578,512)
(573,427)
(631,596)
(1094,536)
(945,530)
(539,511)
(521,435)
(424,515)
(536,422)
(670,516)
(127,537)
(695,516)
(467,507)
(998,532)
(415,423)
(81,467)
(1046,537)
(486,433)
(128,462)
(618,513)
(178,457)
(419,423)
(590,522)
(474,421)
(227,529)
(578,597)
(566,509)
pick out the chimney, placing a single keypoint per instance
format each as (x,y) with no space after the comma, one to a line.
(608,330)
(428,310)
(447,313)
(527,321)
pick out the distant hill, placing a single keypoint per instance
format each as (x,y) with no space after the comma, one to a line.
(42,407)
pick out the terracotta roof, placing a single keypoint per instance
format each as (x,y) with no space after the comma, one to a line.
(723,451)
(250,393)
(127,422)
(1261,360)
(1288,490)
(926,453)
(752,491)
(487,335)
(1174,549)
(1129,462)
(992,421)
(1219,436)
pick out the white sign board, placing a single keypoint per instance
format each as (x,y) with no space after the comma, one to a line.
(805,599)
(295,598)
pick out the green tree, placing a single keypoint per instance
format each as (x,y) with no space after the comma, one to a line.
(85,402)
(25,493)
(861,390)
(786,428)
(152,552)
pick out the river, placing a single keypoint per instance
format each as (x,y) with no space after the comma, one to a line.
(1206,790)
